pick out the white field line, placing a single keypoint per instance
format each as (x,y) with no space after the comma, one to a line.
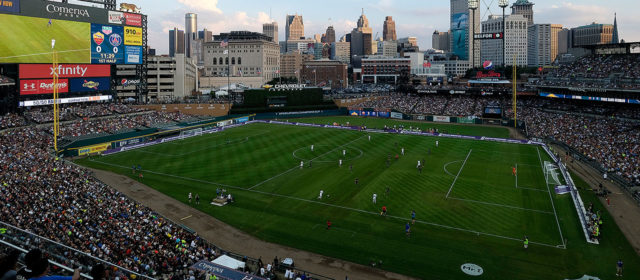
(502,205)
(336,206)
(459,171)
(447,171)
(551,198)
(34,54)
(298,166)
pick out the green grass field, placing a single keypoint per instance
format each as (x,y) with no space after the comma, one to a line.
(28,40)
(469,207)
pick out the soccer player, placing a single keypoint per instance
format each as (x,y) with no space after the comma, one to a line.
(328,224)
(413,217)
(437,143)
(356,181)
(407,229)
(513,170)
(619,266)
(386,191)
(310,163)
(402,151)
(526,242)
(374,198)
(320,196)
(301,164)
(351,167)
(369,137)
(197,199)
(418,164)
(384,211)
(50,23)
(189,197)
(140,177)
(340,163)
(344,153)
(312,148)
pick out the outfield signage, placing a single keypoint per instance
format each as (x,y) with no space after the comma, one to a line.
(94,149)
(31,71)
(132,55)
(89,84)
(133,19)
(10,6)
(441,119)
(223,271)
(57,10)
(396,115)
(29,87)
(43,102)
(132,36)
(107,44)
(133,82)
(116,17)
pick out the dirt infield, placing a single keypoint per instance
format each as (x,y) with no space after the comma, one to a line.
(231,239)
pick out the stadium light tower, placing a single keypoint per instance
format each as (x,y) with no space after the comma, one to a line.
(503,4)
(473,6)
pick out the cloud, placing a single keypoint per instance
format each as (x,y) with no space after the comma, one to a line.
(202,5)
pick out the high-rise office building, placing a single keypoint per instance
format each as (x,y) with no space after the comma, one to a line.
(176,42)
(271,29)
(525,8)
(389,29)
(362,38)
(341,51)
(564,41)
(592,34)
(461,30)
(614,37)
(294,28)
(329,35)
(440,41)
(543,44)
(205,35)
(190,31)
(516,37)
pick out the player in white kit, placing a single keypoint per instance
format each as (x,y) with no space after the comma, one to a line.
(320,196)
(374,198)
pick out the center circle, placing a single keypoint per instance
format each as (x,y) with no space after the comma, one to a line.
(327,153)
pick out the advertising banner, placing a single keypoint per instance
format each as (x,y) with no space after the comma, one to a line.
(132,82)
(10,6)
(28,87)
(132,36)
(459,31)
(31,71)
(441,119)
(107,44)
(396,115)
(29,40)
(42,102)
(223,271)
(470,120)
(133,19)
(132,55)
(242,120)
(116,17)
(89,84)
(56,10)
(94,149)
(384,114)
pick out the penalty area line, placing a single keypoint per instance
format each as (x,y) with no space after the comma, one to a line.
(551,198)
(339,206)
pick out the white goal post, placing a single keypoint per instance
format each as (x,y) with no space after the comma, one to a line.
(551,173)
(189,133)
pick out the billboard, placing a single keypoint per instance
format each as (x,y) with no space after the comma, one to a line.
(116,17)
(29,40)
(43,86)
(89,84)
(10,6)
(132,55)
(132,36)
(459,32)
(363,113)
(395,115)
(63,11)
(121,18)
(43,102)
(107,44)
(133,19)
(31,71)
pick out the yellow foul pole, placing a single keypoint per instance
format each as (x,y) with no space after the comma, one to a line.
(56,109)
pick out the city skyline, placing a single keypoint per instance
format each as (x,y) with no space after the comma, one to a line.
(413,18)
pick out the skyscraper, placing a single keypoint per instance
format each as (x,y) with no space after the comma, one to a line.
(271,29)
(614,38)
(176,42)
(525,8)
(461,30)
(205,35)
(440,41)
(362,37)
(389,29)
(330,35)
(516,37)
(190,31)
(294,27)
(543,44)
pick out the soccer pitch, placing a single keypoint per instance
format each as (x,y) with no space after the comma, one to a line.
(469,206)
(28,40)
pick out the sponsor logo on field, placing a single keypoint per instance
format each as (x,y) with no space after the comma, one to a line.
(472,269)
(98,38)
(68,11)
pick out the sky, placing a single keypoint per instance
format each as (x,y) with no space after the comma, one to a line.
(419,18)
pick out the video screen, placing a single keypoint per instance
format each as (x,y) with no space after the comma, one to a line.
(29,40)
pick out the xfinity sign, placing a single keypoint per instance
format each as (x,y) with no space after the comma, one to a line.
(35,71)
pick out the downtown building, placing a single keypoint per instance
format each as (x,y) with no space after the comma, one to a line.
(341,51)
(524,8)
(389,29)
(543,44)
(384,70)
(440,41)
(294,28)
(361,38)
(325,73)
(461,36)
(168,78)
(271,29)
(291,64)
(176,42)
(592,34)
(516,40)
(250,58)
(329,36)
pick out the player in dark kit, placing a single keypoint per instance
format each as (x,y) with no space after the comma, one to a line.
(328,224)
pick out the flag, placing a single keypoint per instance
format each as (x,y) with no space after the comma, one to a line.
(224,43)
(240,72)
(226,52)
(277,71)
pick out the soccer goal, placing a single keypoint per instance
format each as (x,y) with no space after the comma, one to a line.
(190,133)
(551,173)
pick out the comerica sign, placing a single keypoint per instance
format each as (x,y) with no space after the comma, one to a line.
(68,11)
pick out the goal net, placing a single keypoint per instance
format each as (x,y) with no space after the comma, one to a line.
(551,173)
(189,133)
